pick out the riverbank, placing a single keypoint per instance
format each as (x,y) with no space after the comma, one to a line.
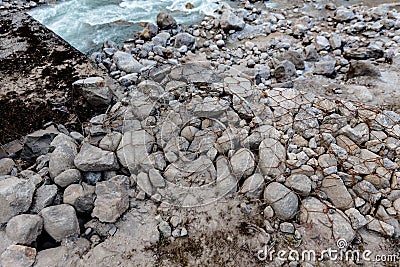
(256,131)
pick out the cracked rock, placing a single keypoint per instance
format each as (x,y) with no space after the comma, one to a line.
(337,192)
(253,186)
(299,183)
(94,90)
(272,157)
(243,163)
(379,226)
(356,218)
(282,200)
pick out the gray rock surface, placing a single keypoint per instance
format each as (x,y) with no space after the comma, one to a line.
(126,62)
(44,197)
(15,197)
(272,157)
(379,226)
(112,199)
(186,39)
(253,186)
(91,158)
(111,141)
(60,221)
(230,21)
(337,192)
(38,143)
(344,14)
(300,183)
(243,163)
(62,158)
(17,255)
(329,226)
(68,177)
(80,196)
(24,228)
(94,90)
(6,166)
(282,200)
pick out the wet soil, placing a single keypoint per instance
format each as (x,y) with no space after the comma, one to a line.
(37,69)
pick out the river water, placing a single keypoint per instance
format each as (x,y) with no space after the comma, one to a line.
(86,24)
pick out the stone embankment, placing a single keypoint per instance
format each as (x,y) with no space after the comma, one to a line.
(212,152)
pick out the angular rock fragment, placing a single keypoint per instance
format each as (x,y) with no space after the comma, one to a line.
(328,224)
(15,197)
(94,90)
(379,226)
(337,192)
(126,62)
(230,21)
(67,177)
(81,196)
(299,183)
(24,228)
(112,199)
(91,158)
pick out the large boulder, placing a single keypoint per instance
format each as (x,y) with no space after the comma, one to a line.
(231,21)
(165,21)
(94,90)
(126,62)
(94,159)
(112,199)
(60,221)
(24,228)
(184,38)
(38,143)
(62,158)
(15,197)
(272,157)
(282,200)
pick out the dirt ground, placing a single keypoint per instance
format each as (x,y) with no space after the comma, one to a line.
(37,69)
